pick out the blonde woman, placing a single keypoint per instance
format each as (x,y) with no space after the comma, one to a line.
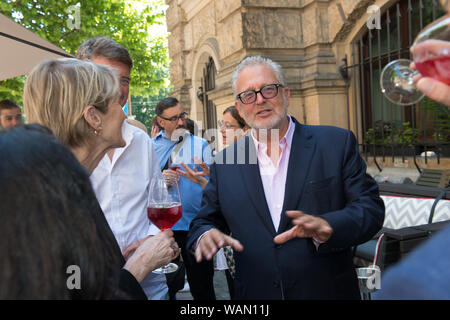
(79,102)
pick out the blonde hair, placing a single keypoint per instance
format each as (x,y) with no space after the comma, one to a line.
(57,92)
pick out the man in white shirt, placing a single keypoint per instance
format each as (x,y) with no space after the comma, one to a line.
(121,186)
(122,178)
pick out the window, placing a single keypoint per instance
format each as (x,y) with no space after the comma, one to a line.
(209,108)
(389,129)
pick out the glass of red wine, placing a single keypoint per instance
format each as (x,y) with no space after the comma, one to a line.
(164,210)
(431,54)
(175,161)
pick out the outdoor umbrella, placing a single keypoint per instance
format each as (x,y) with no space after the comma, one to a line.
(21,49)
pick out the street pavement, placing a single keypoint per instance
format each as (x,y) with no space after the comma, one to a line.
(220,287)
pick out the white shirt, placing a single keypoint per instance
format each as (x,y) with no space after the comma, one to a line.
(121,187)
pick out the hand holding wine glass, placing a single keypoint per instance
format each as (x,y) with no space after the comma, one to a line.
(431,56)
(164,210)
(437,87)
(150,253)
(175,162)
(172,174)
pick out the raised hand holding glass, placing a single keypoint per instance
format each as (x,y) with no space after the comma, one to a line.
(164,210)
(431,54)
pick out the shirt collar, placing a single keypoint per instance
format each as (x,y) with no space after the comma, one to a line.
(286,140)
(159,135)
(127,132)
(162,135)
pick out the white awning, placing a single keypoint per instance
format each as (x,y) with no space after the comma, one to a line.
(21,49)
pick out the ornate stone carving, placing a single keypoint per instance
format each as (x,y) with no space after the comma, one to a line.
(268,28)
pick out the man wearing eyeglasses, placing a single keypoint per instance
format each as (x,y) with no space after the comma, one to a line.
(174,145)
(295,206)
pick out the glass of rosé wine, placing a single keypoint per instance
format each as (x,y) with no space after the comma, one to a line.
(175,162)
(431,54)
(164,210)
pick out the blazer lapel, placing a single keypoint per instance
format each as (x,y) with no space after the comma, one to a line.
(253,182)
(300,158)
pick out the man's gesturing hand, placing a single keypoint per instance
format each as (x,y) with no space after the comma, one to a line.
(212,241)
(305,226)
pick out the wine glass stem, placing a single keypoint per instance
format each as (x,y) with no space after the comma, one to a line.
(166,266)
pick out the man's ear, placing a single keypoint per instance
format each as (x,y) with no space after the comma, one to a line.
(287,94)
(238,107)
(92,117)
(160,121)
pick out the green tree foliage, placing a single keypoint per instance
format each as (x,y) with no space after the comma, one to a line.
(143,108)
(126,21)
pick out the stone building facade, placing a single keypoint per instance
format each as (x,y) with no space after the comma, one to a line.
(310,39)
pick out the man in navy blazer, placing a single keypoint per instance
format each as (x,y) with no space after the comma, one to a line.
(302,248)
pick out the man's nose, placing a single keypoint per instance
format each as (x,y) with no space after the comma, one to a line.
(259,98)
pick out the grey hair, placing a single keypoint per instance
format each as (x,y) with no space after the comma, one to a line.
(253,61)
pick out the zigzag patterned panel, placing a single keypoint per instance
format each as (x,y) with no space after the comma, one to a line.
(407,212)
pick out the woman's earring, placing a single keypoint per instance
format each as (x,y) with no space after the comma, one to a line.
(97,131)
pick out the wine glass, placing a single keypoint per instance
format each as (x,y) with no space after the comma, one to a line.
(175,162)
(164,210)
(431,54)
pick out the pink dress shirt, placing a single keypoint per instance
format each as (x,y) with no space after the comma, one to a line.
(273,176)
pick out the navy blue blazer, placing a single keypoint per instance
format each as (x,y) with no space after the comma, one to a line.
(326,177)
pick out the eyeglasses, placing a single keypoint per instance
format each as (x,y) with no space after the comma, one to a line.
(175,118)
(268,91)
(226,125)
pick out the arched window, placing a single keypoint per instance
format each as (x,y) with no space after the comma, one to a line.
(390,129)
(209,74)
